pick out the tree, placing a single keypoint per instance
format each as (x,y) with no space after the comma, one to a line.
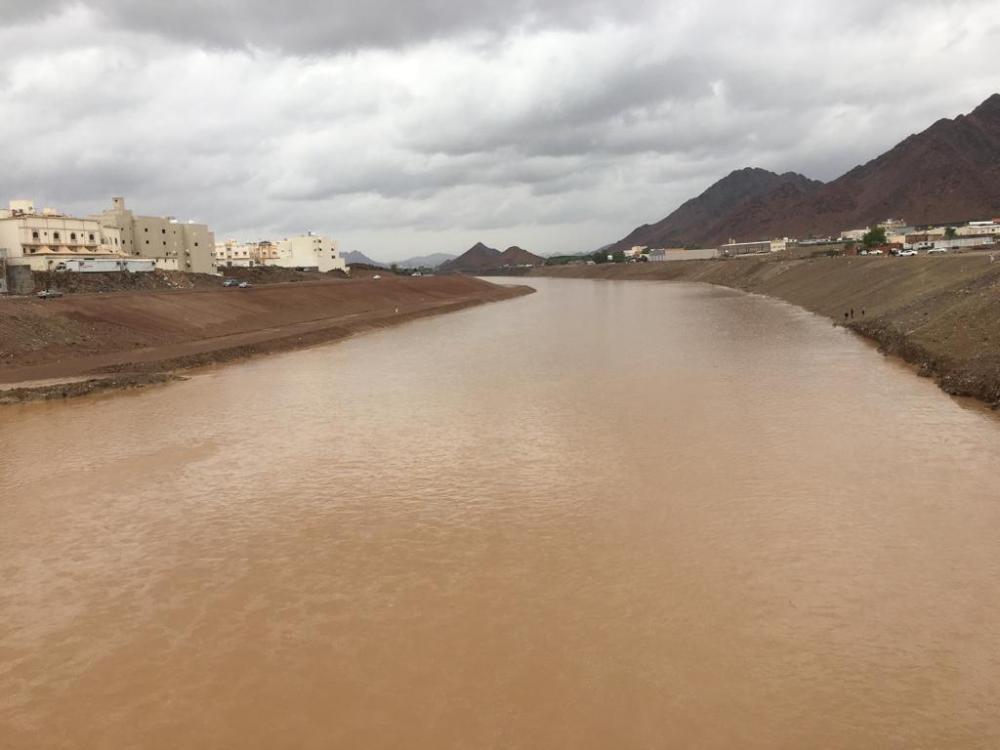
(874,237)
(951,233)
(619,256)
(599,257)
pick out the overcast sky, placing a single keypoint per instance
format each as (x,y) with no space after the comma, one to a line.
(410,126)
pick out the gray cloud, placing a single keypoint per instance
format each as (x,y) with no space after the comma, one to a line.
(331,26)
(418,126)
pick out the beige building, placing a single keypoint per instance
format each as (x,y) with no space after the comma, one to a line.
(191,245)
(310,252)
(49,241)
(233,254)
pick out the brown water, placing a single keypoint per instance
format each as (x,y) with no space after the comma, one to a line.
(609,515)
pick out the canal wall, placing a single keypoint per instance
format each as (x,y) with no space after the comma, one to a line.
(941,313)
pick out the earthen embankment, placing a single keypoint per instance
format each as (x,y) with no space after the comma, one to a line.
(126,337)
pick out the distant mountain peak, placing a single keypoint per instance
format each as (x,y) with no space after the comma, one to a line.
(359,258)
(698,220)
(949,172)
(480,258)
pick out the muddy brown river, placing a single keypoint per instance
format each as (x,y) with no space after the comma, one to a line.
(608,515)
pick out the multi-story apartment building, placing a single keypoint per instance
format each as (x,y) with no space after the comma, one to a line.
(48,240)
(191,245)
(309,252)
(233,254)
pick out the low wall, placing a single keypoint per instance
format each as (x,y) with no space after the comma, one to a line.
(670,255)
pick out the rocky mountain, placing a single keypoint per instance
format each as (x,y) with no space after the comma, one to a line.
(477,258)
(353,256)
(516,256)
(948,173)
(426,261)
(701,220)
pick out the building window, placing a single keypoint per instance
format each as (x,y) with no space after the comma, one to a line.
(34,235)
(145,229)
(163,231)
(196,244)
(147,242)
(72,236)
(164,243)
(91,237)
(55,235)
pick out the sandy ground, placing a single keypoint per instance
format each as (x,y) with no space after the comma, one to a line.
(79,339)
(940,313)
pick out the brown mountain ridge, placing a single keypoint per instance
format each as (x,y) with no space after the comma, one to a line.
(480,258)
(948,173)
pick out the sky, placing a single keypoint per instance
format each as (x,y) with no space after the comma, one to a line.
(419,126)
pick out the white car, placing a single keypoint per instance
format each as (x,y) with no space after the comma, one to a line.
(937,250)
(874,252)
(907,253)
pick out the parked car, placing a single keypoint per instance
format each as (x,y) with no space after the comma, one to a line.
(230,282)
(875,252)
(863,252)
(937,250)
(48,294)
(245,285)
(376,276)
(907,253)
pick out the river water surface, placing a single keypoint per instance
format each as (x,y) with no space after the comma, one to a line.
(608,515)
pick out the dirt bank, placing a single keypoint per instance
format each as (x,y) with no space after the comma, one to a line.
(941,314)
(89,283)
(138,336)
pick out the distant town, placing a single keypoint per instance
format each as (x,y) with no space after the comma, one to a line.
(891,237)
(117,239)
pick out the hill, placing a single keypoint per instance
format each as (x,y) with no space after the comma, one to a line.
(477,258)
(704,219)
(426,261)
(353,256)
(948,173)
(516,256)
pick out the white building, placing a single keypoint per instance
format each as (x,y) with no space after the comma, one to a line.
(308,252)
(50,241)
(974,228)
(191,245)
